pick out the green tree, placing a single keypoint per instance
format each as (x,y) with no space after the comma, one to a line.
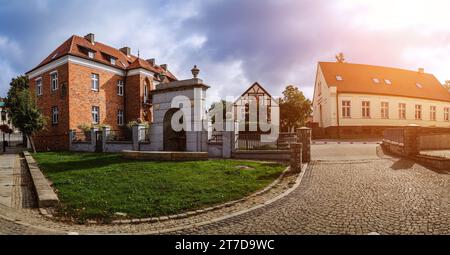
(25,115)
(294,108)
(16,85)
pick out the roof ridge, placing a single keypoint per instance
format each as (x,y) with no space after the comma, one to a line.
(376,66)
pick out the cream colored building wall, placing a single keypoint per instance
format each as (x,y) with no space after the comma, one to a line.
(326,97)
(394,120)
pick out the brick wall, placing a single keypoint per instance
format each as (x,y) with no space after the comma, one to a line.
(54,136)
(134,88)
(82,97)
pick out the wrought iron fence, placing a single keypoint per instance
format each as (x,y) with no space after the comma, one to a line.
(216,138)
(394,134)
(118,135)
(81,137)
(254,142)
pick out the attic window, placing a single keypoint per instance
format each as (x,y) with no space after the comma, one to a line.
(113,61)
(91,54)
(376,80)
(54,56)
(339,78)
(388,82)
(419,85)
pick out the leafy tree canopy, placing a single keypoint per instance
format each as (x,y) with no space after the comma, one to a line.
(294,108)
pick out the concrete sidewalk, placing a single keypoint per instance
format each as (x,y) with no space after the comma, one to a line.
(7,164)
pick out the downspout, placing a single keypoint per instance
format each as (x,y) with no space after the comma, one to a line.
(125,120)
(337,116)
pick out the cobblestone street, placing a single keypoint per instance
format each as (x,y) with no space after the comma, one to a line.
(385,195)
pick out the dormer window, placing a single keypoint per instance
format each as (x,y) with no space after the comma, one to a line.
(113,61)
(376,80)
(419,85)
(339,78)
(91,54)
(388,82)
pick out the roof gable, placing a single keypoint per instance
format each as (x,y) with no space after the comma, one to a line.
(368,79)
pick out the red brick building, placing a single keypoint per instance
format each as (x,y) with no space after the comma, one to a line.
(87,82)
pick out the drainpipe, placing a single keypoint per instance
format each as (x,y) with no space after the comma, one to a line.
(125,120)
(337,116)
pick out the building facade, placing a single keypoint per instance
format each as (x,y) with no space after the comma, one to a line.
(84,82)
(353,100)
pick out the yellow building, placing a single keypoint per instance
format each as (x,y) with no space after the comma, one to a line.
(354,100)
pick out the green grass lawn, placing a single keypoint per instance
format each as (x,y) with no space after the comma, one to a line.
(96,186)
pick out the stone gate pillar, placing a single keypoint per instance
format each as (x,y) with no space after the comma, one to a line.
(304,137)
(296,157)
(410,141)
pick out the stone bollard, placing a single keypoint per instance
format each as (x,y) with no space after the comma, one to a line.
(304,137)
(410,140)
(296,157)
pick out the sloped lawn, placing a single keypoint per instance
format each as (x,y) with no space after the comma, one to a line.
(97,186)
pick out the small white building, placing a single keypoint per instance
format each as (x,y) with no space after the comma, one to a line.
(355,100)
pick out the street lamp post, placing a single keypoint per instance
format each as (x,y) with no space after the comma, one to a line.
(3,132)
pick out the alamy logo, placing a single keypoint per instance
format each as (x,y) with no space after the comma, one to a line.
(262,116)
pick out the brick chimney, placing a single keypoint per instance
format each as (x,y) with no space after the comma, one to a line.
(151,61)
(126,50)
(164,66)
(421,70)
(90,37)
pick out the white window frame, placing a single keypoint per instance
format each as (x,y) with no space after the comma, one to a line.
(346,108)
(91,54)
(55,115)
(38,83)
(113,61)
(388,82)
(339,78)
(376,80)
(432,112)
(418,112)
(385,110)
(120,87)
(120,121)
(95,111)
(365,109)
(446,114)
(95,82)
(54,80)
(402,111)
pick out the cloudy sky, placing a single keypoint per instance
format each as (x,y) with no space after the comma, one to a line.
(235,42)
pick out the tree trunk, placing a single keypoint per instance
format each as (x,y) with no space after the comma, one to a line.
(33,148)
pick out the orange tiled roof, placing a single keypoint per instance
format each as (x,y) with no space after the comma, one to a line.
(77,45)
(358,78)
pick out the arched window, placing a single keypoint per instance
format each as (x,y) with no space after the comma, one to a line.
(146,87)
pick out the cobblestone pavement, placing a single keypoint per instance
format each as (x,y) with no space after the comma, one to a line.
(387,196)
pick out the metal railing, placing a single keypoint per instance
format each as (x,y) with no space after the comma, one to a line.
(81,136)
(394,135)
(118,135)
(216,138)
(254,142)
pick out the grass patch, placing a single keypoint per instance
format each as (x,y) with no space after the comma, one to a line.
(96,186)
